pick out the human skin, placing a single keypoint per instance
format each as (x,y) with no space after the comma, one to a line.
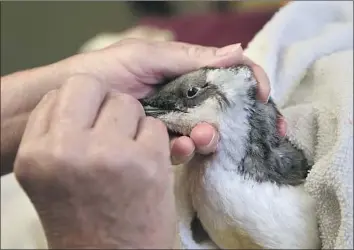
(132,67)
(59,150)
(78,164)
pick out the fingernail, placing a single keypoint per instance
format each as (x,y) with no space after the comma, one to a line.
(172,142)
(228,49)
(282,126)
(211,147)
(214,139)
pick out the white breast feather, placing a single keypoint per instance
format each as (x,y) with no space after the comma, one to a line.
(274,217)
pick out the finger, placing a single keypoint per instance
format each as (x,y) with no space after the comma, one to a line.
(182,150)
(192,57)
(152,133)
(227,56)
(175,58)
(78,102)
(205,138)
(120,113)
(39,120)
(281,126)
(263,90)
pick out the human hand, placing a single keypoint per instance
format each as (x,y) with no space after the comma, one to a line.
(98,176)
(138,32)
(134,66)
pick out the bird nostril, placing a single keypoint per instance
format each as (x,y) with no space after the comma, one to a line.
(205,85)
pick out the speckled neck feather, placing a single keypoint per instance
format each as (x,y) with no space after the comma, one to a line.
(268,156)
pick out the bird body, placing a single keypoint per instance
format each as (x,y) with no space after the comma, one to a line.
(240,213)
(249,194)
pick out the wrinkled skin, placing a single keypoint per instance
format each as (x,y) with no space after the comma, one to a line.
(95,168)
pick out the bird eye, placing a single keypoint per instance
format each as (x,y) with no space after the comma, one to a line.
(192,92)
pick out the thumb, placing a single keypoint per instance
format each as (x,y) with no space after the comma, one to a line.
(176,58)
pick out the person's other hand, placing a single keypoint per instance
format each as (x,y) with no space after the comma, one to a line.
(97,169)
(133,66)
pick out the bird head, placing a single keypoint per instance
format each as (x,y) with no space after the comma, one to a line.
(205,95)
(226,98)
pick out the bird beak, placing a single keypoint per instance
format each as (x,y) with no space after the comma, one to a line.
(151,110)
(154,111)
(157,112)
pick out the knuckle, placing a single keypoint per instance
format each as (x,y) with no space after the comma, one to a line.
(150,121)
(135,46)
(159,155)
(29,161)
(200,51)
(157,124)
(64,148)
(83,80)
(154,171)
(25,157)
(156,155)
(158,152)
(148,169)
(130,102)
(51,94)
(161,126)
(59,155)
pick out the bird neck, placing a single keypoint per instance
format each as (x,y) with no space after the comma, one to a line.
(248,131)
(251,146)
(234,136)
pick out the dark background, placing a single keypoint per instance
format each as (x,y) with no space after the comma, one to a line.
(37,33)
(42,32)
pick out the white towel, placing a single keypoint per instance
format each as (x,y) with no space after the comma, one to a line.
(309,58)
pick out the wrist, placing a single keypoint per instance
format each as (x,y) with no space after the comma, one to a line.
(22,91)
(52,76)
(20,94)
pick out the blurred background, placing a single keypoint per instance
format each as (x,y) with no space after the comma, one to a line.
(38,33)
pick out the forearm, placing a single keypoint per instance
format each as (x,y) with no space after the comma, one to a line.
(20,93)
